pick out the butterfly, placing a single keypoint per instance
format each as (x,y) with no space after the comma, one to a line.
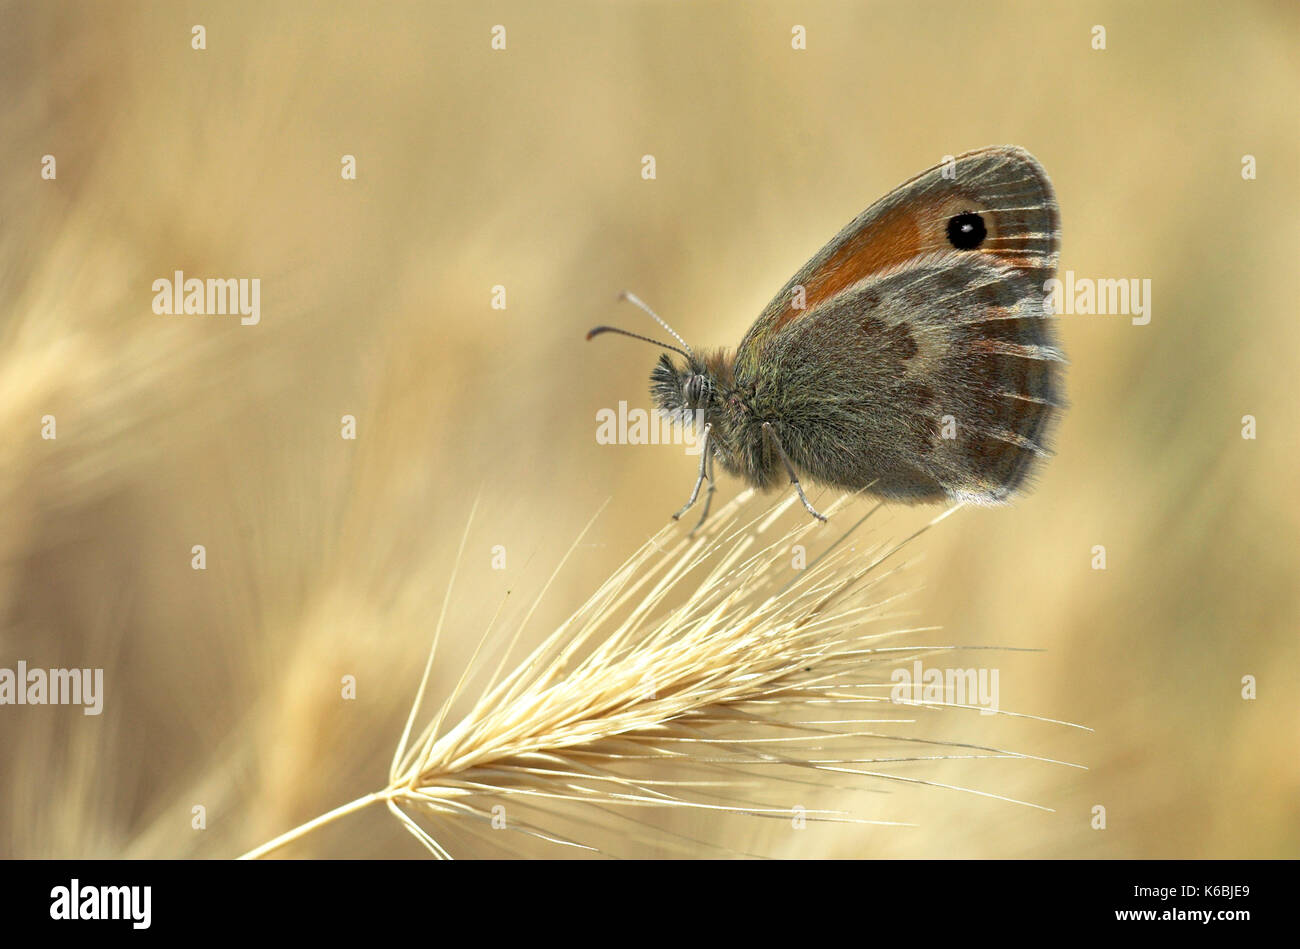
(913,357)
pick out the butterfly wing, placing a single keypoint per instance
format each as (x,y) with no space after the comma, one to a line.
(921,361)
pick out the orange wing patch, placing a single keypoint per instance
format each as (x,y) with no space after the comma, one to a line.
(899,234)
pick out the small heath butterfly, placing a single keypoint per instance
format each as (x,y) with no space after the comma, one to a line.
(912,357)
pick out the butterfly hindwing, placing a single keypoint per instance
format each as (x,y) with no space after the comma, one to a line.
(936,379)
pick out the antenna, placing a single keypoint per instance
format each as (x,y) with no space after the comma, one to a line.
(633,298)
(637,301)
(614,329)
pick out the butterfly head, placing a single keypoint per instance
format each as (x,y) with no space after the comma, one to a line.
(682,392)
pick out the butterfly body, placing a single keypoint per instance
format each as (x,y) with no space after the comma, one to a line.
(705,392)
(911,357)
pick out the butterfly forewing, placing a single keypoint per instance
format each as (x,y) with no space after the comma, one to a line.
(918,358)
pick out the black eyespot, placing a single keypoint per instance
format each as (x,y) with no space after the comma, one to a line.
(966,231)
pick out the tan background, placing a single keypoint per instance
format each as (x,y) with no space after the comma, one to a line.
(522,168)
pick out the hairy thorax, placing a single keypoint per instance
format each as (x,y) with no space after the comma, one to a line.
(739,444)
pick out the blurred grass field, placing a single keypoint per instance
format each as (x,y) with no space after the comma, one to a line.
(522,168)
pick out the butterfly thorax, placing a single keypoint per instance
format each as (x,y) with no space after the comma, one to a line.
(705,391)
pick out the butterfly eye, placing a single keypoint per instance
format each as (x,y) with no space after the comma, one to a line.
(966,231)
(694,389)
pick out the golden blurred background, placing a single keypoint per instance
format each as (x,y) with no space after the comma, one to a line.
(521,168)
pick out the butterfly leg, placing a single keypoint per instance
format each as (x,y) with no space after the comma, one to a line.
(704,460)
(708,497)
(789,469)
